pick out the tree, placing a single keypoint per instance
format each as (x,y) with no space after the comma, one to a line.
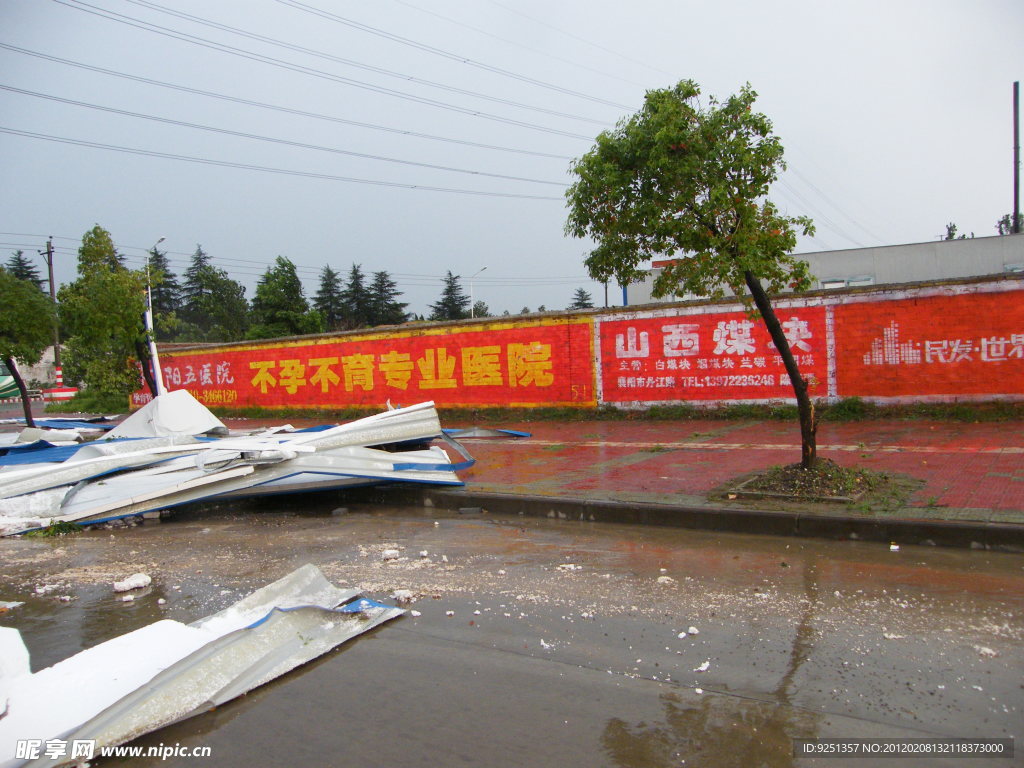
(166,295)
(480,309)
(356,300)
(26,328)
(101,312)
(581,300)
(453,304)
(1005,225)
(97,250)
(23,269)
(951,233)
(279,307)
(681,179)
(385,309)
(213,306)
(328,300)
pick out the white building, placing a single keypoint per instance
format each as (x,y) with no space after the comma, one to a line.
(888,264)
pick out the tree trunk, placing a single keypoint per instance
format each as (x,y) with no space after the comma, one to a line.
(26,404)
(146,363)
(808,417)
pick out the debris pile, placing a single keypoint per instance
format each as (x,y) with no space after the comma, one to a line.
(163,456)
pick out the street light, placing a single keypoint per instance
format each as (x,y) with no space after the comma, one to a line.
(158,378)
(472,305)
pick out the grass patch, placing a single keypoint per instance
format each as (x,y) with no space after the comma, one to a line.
(90,401)
(55,529)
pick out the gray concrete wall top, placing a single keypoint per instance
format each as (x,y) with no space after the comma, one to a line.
(912,262)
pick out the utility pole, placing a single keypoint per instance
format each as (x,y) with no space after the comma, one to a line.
(1015,226)
(56,324)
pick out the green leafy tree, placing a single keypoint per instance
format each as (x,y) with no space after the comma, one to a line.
(279,307)
(97,250)
(680,179)
(23,269)
(453,304)
(480,309)
(581,300)
(385,309)
(328,300)
(356,299)
(101,312)
(26,328)
(951,233)
(1005,225)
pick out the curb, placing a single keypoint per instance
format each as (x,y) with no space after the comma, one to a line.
(1002,537)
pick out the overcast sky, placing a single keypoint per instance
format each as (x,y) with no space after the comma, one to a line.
(436,135)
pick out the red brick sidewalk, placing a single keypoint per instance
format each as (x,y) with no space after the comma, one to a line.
(969,471)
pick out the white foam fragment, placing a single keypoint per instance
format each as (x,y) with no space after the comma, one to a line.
(135,581)
(703,667)
(390,554)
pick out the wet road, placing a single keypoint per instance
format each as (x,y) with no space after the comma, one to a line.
(546,643)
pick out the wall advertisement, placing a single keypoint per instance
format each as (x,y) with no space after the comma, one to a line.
(495,364)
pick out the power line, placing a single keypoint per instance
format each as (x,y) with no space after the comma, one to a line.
(440,51)
(318,73)
(286,142)
(577,37)
(517,44)
(357,64)
(276,107)
(265,169)
(260,266)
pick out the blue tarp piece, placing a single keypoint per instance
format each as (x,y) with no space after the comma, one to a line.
(485,432)
(34,453)
(41,452)
(362,605)
(68,424)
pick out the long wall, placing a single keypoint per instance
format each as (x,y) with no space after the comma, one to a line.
(937,341)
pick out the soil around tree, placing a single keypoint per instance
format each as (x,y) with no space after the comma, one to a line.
(827,483)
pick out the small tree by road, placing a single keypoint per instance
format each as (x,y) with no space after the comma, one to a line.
(679,179)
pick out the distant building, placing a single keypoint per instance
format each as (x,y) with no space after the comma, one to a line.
(887,264)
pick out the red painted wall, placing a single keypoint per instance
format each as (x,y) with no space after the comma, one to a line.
(713,356)
(495,364)
(943,341)
(963,344)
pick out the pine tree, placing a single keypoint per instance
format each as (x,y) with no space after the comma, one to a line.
(279,307)
(195,290)
(328,300)
(581,300)
(355,299)
(213,306)
(164,286)
(453,304)
(23,269)
(384,307)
